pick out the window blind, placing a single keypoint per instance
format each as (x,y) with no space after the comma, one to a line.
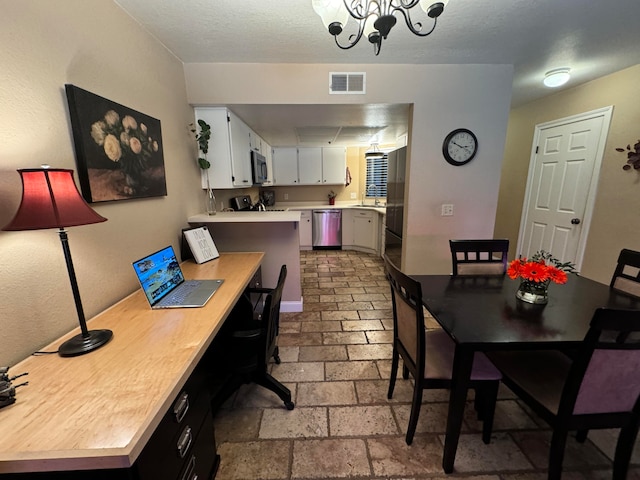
(376,184)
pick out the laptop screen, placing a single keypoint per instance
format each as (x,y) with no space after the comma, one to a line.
(158,273)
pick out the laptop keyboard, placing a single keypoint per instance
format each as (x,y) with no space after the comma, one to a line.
(183,292)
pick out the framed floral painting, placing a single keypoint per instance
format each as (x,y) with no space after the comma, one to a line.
(118,150)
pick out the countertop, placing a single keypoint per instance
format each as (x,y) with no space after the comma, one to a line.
(290,212)
(98,410)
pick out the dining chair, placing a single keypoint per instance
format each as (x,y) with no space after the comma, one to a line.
(479,257)
(626,277)
(598,387)
(428,354)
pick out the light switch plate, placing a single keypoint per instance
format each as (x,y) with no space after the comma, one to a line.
(447,209)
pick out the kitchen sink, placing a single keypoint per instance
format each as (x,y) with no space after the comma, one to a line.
(360,205)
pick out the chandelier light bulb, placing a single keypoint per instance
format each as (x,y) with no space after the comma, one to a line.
(556,78)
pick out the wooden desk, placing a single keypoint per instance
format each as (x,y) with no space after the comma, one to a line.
(481,313)
(98,411)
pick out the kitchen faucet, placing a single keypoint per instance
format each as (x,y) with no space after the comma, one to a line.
(377,200)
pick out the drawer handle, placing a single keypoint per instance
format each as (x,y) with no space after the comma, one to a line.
(184,442)
(188,472)
(181,407)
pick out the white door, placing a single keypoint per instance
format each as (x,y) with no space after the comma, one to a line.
(561,188)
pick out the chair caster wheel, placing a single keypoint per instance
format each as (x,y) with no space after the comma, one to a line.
(289,405)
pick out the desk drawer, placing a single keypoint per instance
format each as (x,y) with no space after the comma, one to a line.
(172,443)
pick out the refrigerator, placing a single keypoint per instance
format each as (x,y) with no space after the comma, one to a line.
(396,168)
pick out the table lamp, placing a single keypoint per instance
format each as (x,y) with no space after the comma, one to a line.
(50,199)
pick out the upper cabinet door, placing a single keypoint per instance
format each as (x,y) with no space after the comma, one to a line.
(310,165)
(219,155)
(334,165)
(285,166)
(240,141)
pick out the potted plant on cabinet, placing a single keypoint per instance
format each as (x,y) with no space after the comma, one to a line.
(203,137)
(332,197)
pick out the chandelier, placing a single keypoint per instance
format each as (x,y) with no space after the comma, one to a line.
(375,18)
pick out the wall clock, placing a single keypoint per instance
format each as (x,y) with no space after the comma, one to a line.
(460,146)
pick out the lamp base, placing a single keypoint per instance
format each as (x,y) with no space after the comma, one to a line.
(79,345)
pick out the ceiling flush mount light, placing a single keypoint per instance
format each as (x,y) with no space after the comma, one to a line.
(376,18)
(556,78)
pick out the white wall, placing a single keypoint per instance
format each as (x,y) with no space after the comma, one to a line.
(95,46)
(444,97)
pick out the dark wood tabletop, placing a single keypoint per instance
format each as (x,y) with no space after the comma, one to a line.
(481,313)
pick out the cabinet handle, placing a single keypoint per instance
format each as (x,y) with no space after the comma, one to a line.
(181,407)
(188,471)
(184,442)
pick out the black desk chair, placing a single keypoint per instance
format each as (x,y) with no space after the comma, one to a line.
(428,354)
(479,257)
(252,339)
(597,388)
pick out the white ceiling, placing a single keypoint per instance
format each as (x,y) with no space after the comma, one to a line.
(593,38)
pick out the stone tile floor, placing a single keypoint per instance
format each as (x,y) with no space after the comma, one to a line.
(336,361)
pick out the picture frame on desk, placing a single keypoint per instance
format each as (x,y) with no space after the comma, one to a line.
(197,244)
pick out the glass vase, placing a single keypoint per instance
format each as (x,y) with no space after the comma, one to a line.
(210,198)
(533,292)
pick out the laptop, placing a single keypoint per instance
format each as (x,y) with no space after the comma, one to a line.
(164,285)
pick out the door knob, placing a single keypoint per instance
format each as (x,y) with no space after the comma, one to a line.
(575,221)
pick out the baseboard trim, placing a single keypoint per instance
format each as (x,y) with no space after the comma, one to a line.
(291,306)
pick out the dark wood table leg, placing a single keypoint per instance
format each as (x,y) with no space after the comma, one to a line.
(462,363)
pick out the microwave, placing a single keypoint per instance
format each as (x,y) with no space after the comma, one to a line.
(259,168)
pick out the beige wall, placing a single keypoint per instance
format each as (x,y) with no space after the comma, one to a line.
(616,218)
(444,97)
(95,46)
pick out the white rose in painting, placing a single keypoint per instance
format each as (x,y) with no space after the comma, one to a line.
(135,145)
(124,138)
(143,128)
(129,123)
(97,132)
(112,118)
(112,148)
(155,146)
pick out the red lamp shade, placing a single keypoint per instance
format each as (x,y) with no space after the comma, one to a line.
(50,199)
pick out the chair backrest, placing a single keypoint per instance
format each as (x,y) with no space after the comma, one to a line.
(626,277)
(479,257)
(271,313)
(408,317)
(604,377)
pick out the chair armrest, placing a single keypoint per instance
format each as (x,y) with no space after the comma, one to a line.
(248,334)
(258,290)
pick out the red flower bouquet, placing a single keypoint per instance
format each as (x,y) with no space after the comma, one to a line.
(536,274)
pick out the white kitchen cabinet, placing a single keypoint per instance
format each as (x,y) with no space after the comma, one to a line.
(361,230)
(334,165)
(315,165)
(285,166)
(310,165)
(305,230)
(229,152)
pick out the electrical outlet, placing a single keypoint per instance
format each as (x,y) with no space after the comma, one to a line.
(354,195)
(286,196)
(447,209)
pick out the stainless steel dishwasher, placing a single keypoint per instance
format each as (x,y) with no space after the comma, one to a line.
(327,229)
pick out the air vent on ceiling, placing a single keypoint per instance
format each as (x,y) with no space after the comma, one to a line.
(346,83)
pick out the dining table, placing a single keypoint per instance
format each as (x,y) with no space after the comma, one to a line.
(481,313)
